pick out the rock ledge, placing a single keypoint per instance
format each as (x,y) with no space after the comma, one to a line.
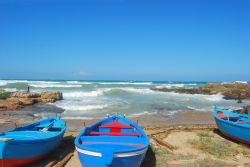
(18,100)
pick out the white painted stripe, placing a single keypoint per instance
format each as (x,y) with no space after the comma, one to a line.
(96,154)
(118,155)
(130,154)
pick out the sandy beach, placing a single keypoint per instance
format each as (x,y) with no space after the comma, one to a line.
(171,139)
(170,145)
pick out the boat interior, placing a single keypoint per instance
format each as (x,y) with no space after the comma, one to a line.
(35,130)
(233,117)
(44,126)
(114,133)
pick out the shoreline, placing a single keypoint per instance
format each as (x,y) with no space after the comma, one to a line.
(11,119)
(156,120)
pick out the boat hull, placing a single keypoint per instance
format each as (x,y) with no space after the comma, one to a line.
(233,131)
(17,154)
(130,159)
(112,142)
(14,162)
(27,144)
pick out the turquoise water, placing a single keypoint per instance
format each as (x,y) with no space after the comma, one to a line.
(88,99)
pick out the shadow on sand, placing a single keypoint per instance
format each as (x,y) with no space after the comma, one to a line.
(150,160)
(217,131)
(66,147)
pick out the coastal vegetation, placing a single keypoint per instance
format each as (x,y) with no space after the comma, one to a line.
(4,94)
(230,91)
(208,144)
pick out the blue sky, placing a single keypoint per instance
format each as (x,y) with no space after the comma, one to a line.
(198,40)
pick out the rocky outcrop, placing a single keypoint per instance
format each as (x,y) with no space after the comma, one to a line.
(18,100)
(10,104)
(235,91)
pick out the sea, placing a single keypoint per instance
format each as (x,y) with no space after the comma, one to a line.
(94,99)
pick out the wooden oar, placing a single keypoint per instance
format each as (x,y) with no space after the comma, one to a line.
(6,139)
(48,127)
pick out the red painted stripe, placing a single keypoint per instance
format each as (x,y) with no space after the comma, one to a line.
(243,122)
(118,143)
(114,134)
(237,139)
(116,124)
(15,162)
(221,115)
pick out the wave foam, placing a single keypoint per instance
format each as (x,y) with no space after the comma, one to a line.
(79,118)
(10,89)
(82,107)
(124,83)
(48,85)
(102,91)
(130,89)
(169,86)
(82,94)
(5,82)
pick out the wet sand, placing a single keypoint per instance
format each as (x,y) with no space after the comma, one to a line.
(11,119)
(180,118)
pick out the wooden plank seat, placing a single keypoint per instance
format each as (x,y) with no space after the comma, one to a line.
(115,127)
(114,133)
(116,124)
(113,143)
(221,115)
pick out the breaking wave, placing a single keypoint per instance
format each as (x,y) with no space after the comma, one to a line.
(47,85)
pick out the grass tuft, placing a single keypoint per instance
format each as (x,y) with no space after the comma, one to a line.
(206,144)
(210,163)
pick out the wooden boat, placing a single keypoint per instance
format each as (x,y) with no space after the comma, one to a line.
(233,125)
(112,142)
(29,143)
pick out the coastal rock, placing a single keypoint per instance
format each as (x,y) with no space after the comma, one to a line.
(52,96)
(234,91)
(10,104)
(25,95)
(18,100)
(26,101)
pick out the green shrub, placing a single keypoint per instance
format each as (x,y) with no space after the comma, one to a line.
(4,94)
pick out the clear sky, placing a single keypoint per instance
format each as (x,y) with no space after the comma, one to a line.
(198,40)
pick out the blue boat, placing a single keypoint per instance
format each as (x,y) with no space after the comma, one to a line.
(233,125)
(29,143)
(112,142)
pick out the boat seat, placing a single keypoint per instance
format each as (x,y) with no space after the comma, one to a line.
(117,143)
(115,127)
(221,115)
(116,124)
(114,133)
